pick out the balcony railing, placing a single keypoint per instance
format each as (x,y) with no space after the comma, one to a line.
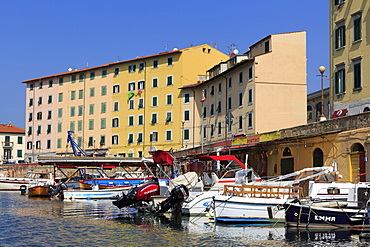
(8,144)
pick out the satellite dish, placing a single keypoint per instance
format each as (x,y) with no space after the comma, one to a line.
(236,52)
(175,49)
(70,69)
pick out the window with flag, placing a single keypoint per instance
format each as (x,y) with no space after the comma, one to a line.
(130,138)
(340,81)
(204,95)
(140,137)
(168,117)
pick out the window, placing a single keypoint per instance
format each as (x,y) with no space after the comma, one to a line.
(230,82)
(140,137)
(169,61)
(61,81)
(169,80)
(80,110)
(80,94)
(29,145)
(250,73)
(40,101)
(73,78)
(115,106)
(357,75)
(229,103)
(141,85)
(169,99)
(29,132)
(50,83)
(240,122)
(240,77)
(131,86)
(154,118)
(104,73)
(309,112)
(204,128)
(59,127)
(219,88)
(204,112)
(40,85)
(212,111)
(30,116)
(38,129)
(141,66)
(212,130)
(115,122)
(31,102)
(140,120)
(39,115)
(115,140)
(31,86)
(73,110)
(219,107)
(91,109)
(168,135)
(212,92)
(79,125)
(357,28)
(116,71)
(103,107)
(59,142)
(73,95)
(340,84)
(48,144)
(92,75)
(49,114)
(155,64)
(20,140)
(103,90)
(81,77)
(92,92)
(250,120)
(130,120)
(103,123)
(154,82)
(186,115)
(60,112)
(186,134)
(19,153)
(131,104)
(130,138)
(50,99)
(141,103)
(250,96)
(102,140)
(116,88)
(154,101)
(131,68)
(91,124)
(91,141)
(72,126)
(154,136)
(186,98)
(240,99)
(168,117)
(337,2)
(267,46)
(38,144)
(340,37)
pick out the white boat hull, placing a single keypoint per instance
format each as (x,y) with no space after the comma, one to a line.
(248,210)
(93,194)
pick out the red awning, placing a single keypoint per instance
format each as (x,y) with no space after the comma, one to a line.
(339,113)
(221,157)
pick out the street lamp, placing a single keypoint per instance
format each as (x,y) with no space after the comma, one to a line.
(322,70)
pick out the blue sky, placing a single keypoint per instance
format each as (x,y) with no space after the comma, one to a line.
(40,38)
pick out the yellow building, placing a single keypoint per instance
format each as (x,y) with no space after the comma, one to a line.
(350,91)
(259,91)
(146,98)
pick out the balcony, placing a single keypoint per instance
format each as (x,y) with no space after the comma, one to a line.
(8,144)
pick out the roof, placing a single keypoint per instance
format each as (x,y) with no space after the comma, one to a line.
(105,65)
(8,128)
(222,157)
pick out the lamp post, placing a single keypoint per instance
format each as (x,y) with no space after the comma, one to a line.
(322,70)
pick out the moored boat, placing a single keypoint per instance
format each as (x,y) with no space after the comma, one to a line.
(14,184)
(39,191)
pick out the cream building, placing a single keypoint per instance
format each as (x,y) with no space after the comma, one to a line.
(262,90)
(12,143)
(349,49)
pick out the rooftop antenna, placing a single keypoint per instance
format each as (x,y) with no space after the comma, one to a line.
(214,45)
(166,47)
(87,64)
(232,49)
(119,58)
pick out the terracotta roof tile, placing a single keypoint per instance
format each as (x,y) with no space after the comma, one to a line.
(8,128)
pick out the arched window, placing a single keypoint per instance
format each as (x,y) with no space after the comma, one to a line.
(309,112)
(318,158)
(318,110)
(287,152)
(366,109)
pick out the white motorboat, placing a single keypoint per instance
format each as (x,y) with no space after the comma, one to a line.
(93,194)
(31,178)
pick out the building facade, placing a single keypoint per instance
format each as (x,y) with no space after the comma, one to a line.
(349,49)
(12,143)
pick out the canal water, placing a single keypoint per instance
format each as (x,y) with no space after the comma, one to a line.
(43,222)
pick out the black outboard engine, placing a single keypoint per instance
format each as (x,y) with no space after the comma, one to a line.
(138,194)
(23,189)
(177,197)
(57,191)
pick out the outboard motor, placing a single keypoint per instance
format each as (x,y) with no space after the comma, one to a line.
(138,194)
(23,189)
(57,190)
(177,197)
